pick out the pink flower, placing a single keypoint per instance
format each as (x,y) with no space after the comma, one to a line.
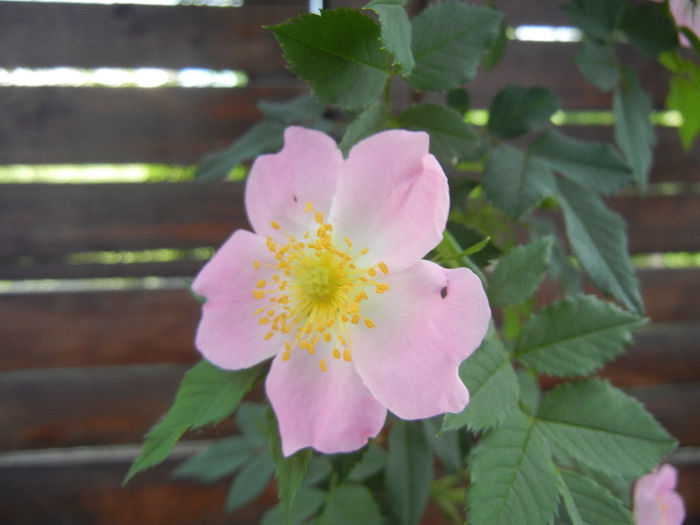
(332,285)
(655,500)
(686,13)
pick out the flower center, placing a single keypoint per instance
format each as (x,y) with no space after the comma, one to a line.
(317,290)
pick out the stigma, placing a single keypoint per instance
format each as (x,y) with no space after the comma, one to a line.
(316,292)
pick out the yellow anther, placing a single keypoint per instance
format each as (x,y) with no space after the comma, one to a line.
(268,336)
(355,319)
(322,364)
(344,318)
(261,283)
(327,337)
(336,353)
(381,287)
(308,208)
(264,320)
(348,242)
(275,225)
(364,250)
(287,346)
(340,338)
(383,267)
(318,216)
(346,355)
(256,265)
(372,272)
(369,322)
(258,293)
(285,356)
(259,311)
(275,277)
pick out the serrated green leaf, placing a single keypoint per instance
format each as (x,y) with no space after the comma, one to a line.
(372,462)
(338,54)
(451,139)
(492,384)
(250,419)
(409,471)
(519,272)
(307,503)
(289,471)
(575,336)
(649,27)
(518,109)
(683,97)
(264,137)
(589,503)
(597,62)
(603,427)
(597,237)
(516,182)
(371,120)
(220,459)
(449,40)
(530,391)
(250,482)
(396,31)
(513,480)
(634,133)
(207,395)
(596,18)
(350,505)
(594,164)
(299,109)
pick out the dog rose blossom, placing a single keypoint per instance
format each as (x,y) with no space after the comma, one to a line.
(332,286)
(656,501)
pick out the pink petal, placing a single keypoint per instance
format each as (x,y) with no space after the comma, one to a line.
(392,197)
(330,411)
(426,324)
(229,334)
(305,170)
(655,498)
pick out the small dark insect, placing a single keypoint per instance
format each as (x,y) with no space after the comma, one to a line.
(295,198)
(443,292)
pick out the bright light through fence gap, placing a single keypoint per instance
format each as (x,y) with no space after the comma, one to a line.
(147,77)
(533,33)
(29,286)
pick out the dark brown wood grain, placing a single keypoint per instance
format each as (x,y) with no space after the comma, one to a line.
(48,35)
(106,125)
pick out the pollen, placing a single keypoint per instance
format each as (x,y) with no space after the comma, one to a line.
(314,292)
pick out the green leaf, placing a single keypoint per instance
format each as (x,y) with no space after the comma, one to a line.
(597,237)
(492,384)
(649,27)
(516,182)
(451,139)
(633,130)
(350,505)
(220,459)
(299,109)
(589,503)
(251,421)
(458,99)
(513,480)
(373,461)
(445,444)
(338,54)
(207,395)
(597,63)
(307,503)
(596,18)
(575,336)
(449,40)
(517,109)
(409,472)
(683,97)
(603,427)
(371,120)
(396,31)
(594,164)
(519,272)
(264,137)
(250,482)
(530,391)
(289,471)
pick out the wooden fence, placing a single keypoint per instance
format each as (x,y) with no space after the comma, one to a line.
(86,372)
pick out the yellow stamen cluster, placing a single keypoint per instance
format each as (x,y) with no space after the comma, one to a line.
(316,290)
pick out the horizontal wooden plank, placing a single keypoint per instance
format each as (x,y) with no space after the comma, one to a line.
(98,328)
(65,407)
(107,125)
(52,220)
(49,35)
